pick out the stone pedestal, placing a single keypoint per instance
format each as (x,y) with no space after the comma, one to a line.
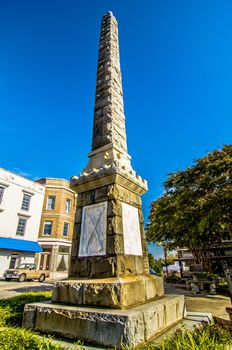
(104,327)
(108,239)
(116,293)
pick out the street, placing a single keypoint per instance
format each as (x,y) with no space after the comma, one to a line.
(11,288)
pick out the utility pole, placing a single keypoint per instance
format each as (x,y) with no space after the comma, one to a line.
(166,259)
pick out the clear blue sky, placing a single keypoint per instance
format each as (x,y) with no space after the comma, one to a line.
(176,59)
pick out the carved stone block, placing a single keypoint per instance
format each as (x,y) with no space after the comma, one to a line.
(93,230)
(131,230)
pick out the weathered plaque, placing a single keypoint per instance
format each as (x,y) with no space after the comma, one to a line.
(93,230)
(131,230)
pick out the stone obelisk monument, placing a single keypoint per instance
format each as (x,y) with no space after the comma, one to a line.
(110,298)
(109,238)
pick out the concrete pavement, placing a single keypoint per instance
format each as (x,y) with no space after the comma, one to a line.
(11,288)
(215,304)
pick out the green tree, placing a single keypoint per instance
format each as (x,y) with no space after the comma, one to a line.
(195,210)
(156,264)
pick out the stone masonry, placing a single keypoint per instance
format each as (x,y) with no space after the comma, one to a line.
(109,119)
(109,176)
(110,298)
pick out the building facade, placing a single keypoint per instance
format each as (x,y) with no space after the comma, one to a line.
(56,226)
(21,202)
(218,254)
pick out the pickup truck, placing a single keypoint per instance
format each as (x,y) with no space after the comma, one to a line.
(25,272)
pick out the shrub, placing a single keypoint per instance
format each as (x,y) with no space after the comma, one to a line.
(212,277)
(222,283)
(23,339)
(5,315)
(11,309)
(173,278)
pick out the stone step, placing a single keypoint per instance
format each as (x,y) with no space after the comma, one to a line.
(106,327)
(189,322)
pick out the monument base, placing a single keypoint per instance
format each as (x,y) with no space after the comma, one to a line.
(116,293)
(106,327)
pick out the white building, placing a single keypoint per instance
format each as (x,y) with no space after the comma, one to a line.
(21,202)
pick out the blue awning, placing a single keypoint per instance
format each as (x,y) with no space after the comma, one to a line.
(20,244)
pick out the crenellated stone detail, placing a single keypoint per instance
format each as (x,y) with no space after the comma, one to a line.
(136,182)
(109,147)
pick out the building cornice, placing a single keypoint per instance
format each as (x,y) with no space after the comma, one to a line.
(61,187)
(54,241)
(50,215)
(22,177)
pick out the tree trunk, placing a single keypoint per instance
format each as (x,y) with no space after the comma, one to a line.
(165,261)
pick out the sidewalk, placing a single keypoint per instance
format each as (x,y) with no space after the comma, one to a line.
(215,304)
(11,288)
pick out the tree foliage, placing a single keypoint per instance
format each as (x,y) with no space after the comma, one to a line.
(195,210)
(158,264)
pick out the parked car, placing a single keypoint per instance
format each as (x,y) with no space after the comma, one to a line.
(25,272)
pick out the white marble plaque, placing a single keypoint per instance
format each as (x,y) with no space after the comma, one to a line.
(93,230)
(131,230)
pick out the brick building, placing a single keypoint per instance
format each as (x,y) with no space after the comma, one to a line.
(56,226)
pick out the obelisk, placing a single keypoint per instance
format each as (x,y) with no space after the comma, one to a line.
(109,236)
(110,298)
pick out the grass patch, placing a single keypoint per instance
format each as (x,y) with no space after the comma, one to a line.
(11,314)
(211,337)
(23,339)
(11,309)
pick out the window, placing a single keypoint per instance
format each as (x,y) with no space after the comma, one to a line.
(21,227)
(1,193)
(47,228)
(51,202)
(68,205)
(66,229)
(27,266)
(26,202)
(12,263)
